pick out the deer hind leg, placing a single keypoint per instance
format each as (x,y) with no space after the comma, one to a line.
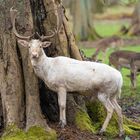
(62,106)
(109,107)
(118,110)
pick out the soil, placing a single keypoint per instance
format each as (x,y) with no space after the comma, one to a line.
(72,133)
(131,109)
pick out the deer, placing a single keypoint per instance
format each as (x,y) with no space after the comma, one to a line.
(105,44)
(62,75)
(126,59)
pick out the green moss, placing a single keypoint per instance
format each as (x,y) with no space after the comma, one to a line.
(132,123)
(84,122)
(128,130)
(34,133)
(131,128)
(12,132)
(98,113)
(38,133)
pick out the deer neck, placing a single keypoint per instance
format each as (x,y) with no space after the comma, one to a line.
(41,66)
(38,62)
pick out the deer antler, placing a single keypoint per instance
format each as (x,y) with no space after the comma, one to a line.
(59,24)
(13,14)
(44,38)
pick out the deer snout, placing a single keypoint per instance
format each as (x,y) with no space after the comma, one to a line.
(35,55)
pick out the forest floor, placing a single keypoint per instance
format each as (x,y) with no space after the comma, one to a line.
(131,109)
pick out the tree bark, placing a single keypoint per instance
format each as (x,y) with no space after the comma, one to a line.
(19,86)
(34,115)
(11,86)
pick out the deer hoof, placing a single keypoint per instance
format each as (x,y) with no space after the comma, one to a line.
(121,134)
(62,124)
(101,132)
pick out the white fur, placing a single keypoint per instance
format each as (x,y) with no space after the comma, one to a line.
(62,75)
(76,75)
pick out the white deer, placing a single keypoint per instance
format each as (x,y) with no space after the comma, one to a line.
(62,75)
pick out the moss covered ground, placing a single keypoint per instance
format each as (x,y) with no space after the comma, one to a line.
(34,133)
(96,117)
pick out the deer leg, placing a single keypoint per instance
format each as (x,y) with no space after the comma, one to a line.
(109,107)
(104,56)
(62,106)
(118,110)
(119,67)
(133,77)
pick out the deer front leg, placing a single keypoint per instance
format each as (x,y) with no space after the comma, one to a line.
(62,106)
(133,79)
(133,76)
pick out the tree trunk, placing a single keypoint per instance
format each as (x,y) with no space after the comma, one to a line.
(82,13)
(33,111)
(11,86)
(134,28)
(19,86)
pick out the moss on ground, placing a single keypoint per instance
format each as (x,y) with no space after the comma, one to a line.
(97,116)
(13,133)
(84,122)
(34,133)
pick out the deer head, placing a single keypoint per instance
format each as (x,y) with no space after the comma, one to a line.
(35,45)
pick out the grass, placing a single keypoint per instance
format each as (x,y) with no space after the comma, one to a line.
(119,9)
(127,90)
(116,12)
(110,21)
(104,29)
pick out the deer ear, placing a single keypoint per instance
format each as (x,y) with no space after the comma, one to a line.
(24,43)
(46,44)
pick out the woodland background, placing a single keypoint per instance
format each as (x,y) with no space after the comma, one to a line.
(27,104)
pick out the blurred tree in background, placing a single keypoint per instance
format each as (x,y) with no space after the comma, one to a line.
(83,11)
(134,28)
(82,17)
